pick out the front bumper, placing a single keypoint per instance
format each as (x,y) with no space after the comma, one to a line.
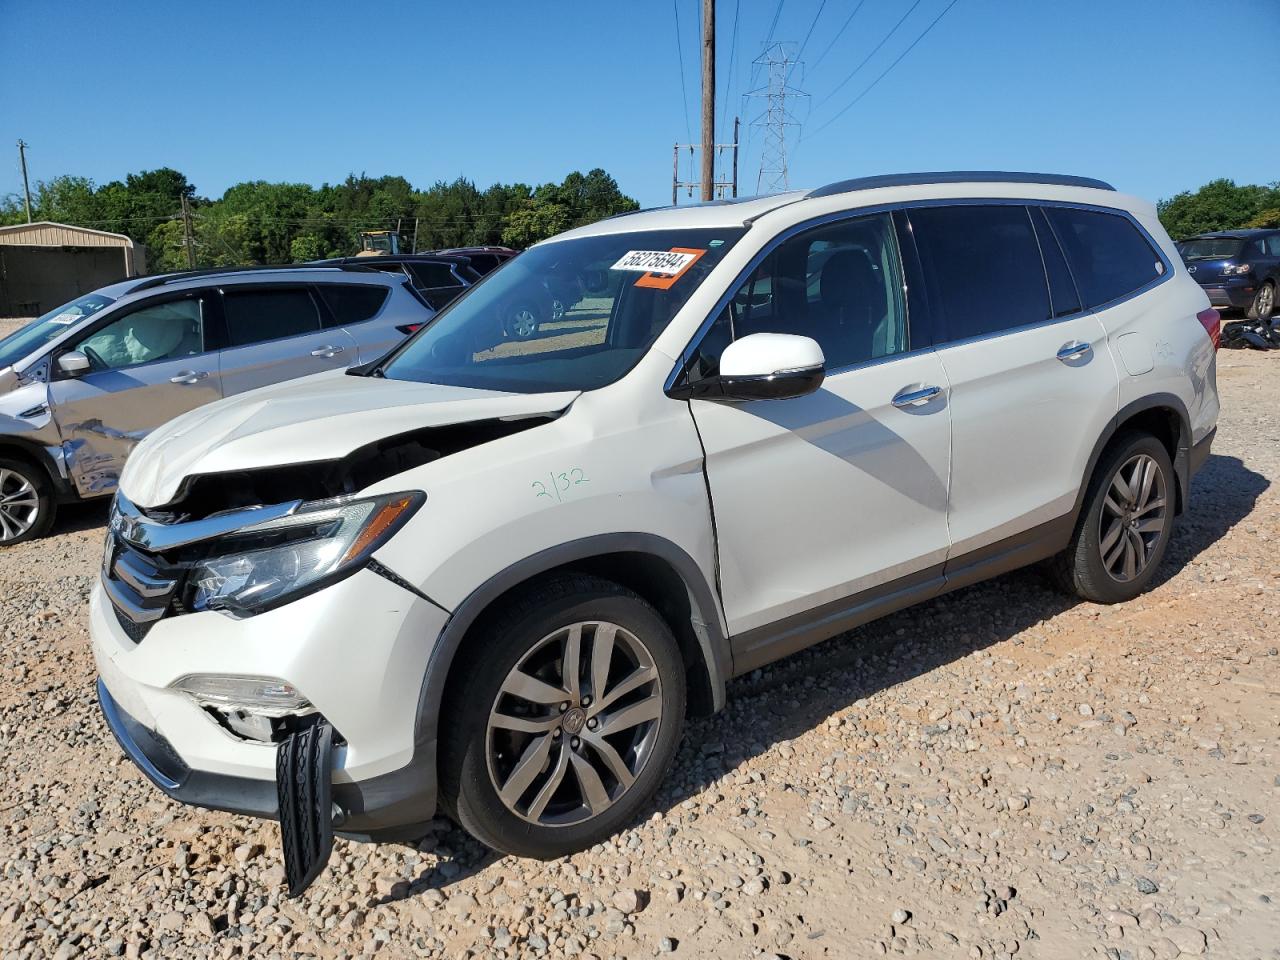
(357,650)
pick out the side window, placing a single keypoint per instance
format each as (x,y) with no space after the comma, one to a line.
(1273,245)
(1109,257)
(840,284)
(352,303)
(255,316)
(1255,249)
(983,268)
(430,275)
(1064,297)
(161,331)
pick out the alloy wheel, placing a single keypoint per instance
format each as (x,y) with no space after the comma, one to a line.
(1265,301)
(1135,512)
(573,724)
(523,323)
(19,505)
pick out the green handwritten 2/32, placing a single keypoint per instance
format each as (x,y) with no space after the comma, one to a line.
(558,484)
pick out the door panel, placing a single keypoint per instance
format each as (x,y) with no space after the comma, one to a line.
(822,497)
(148,368)
(260,364)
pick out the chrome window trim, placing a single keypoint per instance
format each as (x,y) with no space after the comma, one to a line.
(907,205)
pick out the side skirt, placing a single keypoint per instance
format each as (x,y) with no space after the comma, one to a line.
(763,645)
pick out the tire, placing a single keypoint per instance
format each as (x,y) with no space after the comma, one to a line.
(1264,302)
(1096,565)
(27,504)
(560,807)
(521,321)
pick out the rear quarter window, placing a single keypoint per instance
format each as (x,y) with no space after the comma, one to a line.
(1109,256)
(352,303)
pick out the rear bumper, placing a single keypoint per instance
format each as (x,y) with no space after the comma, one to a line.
(1226,294)
(391,807)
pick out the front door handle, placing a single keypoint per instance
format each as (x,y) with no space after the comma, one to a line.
(1075,350)
(917,397)
(326,351)
(189,376)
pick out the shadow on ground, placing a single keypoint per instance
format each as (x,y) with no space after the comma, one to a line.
(805,689)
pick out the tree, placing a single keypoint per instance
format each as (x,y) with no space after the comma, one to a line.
(536,219)
(1218,205)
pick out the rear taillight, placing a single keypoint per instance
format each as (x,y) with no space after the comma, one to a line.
(1211,320)
(408,328)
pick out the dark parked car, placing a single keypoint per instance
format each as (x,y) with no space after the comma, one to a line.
(1236,268)
(483,259)
(437,278)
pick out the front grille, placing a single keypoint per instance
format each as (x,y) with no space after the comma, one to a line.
(140,586)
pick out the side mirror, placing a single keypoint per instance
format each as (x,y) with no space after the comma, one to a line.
(770,366)
(74,364)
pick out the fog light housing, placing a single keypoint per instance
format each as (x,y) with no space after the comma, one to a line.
(265,696)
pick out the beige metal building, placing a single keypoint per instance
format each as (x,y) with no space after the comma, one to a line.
(43,265)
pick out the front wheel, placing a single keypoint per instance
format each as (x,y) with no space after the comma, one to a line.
(27,504)
(1264,302)
(566,720)
(1125,525)
(521,322)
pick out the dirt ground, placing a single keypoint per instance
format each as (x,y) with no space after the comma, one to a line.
(999,772)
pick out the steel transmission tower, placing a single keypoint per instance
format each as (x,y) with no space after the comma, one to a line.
(779,58)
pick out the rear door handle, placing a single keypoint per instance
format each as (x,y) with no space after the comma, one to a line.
(915,398)
(189,376)
(326,351)
(1075,350)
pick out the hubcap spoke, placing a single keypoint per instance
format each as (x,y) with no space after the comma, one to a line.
(569,666)
(528,767)
(593,791)
(637,678)
(1154,525)
(544,795)
(1113,534)
(601,657)
(524,724)
(529,688)
(1151,505)
(1112,506)
(617,766)
(647,709)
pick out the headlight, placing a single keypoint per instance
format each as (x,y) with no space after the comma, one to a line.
(270,563)
(1235,269)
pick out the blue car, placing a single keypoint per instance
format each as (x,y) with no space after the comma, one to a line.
(1237,268)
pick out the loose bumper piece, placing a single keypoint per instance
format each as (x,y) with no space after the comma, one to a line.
(304,788)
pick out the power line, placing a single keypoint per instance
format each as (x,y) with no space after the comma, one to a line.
(839,33)
(901,56)
(805,42)
(867,58)
(768,39)
(733,49)
(684,90)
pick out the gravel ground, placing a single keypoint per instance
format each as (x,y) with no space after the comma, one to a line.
(1000,772)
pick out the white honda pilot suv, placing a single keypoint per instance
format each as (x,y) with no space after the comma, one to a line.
(493,577)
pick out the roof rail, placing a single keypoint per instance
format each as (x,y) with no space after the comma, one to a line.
(160,279)
(955,176)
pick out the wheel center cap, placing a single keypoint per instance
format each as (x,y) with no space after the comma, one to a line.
(574,720)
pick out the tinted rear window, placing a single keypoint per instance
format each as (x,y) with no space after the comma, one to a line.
(351,303)
(1209,248)
(254,316)
(1109,257)
(983,267)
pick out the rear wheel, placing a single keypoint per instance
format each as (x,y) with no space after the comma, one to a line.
(1264,302)
(1127,520)
(521,322)
(27,505)
(563,729)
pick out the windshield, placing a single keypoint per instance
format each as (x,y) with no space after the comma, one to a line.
(567,315)
(1210,248)
(26,340)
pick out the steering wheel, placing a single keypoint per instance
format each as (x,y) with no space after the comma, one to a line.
(95,362)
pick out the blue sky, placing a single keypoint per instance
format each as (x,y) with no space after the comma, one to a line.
(1145,93)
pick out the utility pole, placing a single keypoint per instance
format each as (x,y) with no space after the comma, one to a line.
(188,237)
(26,188)
(780,58)
(735,158)
(708,98)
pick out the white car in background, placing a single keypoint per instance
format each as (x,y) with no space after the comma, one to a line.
(493,576)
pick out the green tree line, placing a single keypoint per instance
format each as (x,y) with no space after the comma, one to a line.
(257,222)
(1220,205)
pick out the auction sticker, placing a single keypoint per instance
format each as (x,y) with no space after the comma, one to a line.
(667,262)
(66,319)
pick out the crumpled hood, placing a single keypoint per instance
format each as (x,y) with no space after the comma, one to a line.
(322,417)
